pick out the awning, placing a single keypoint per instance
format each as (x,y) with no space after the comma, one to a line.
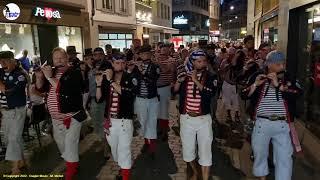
(163,29)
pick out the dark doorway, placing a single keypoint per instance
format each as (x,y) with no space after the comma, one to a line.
(48,39)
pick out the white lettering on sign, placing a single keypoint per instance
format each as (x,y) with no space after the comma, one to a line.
(180,20)
(48,13)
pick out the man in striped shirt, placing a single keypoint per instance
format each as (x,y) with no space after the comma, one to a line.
(196,91)
(13,83)
(65,107)
(273,99)
(118,89)
(147,103)
(167,66)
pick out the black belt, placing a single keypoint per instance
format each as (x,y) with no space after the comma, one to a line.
(161,86)
(193,114)
(145,97)
(273,118)
(114,116)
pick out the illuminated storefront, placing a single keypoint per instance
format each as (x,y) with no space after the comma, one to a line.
(39,27)
(192,26)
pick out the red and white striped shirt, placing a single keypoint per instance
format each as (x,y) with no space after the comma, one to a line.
(168,70)
(53,103)
(193,99)
(114,104)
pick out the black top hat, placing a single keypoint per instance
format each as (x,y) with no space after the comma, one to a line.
(145,48)
(6,55)
(72,50)
(98,49)
(163,45)
(87,52)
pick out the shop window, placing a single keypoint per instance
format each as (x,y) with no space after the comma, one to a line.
(118,41)
(304,62)
(70,36)
(113,36)
(128,36)
(121,36)
(16,38)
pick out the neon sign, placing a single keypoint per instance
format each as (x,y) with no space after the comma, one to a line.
(46,12)
(180,20)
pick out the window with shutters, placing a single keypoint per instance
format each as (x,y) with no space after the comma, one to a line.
(158,9)
(162,11)
(122,6)
(107,5)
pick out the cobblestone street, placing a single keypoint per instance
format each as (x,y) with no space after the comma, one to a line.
(230,161)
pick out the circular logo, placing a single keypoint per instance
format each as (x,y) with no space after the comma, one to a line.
(11,11)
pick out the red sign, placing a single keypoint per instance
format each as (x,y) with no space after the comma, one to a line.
(176,40)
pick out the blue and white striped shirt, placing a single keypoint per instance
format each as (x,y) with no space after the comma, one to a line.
(269,104)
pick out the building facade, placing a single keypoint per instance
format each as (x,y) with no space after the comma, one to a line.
(154,21)
(294,25)
(191,17)
(233,19)
(39,26)
(112,22)
(214,14)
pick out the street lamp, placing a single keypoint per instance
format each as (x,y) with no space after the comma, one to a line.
(231,7)
(236,17)
(230,20)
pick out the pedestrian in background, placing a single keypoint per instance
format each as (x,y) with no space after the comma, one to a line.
(25,61)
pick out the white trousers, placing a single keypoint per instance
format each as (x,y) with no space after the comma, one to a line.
(164,93)
(230,97)
(196,129)
(12,125)
(67,139)
(119,139)
(147,113)
(278,133)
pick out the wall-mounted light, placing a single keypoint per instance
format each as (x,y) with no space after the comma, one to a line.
(21,29)
(7,29)
(73,31)
(67,31)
